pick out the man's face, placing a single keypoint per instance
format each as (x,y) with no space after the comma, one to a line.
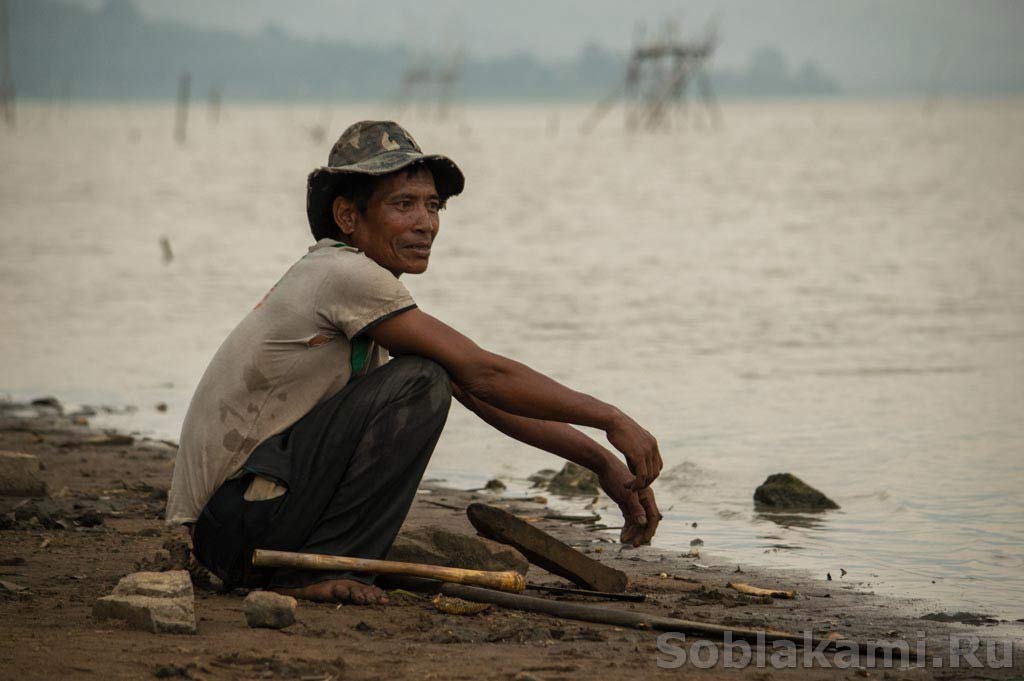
(400,222)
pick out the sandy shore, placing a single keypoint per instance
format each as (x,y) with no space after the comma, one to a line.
(103,519)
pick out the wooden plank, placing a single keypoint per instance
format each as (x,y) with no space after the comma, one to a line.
(545,551)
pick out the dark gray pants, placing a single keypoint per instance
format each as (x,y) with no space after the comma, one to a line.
(351,465)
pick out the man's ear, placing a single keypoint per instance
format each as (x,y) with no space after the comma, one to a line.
(344,215)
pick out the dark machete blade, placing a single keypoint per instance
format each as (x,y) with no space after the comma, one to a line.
(545,551)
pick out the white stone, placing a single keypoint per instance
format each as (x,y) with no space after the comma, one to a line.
(20,475)
(158,615)
(160,602)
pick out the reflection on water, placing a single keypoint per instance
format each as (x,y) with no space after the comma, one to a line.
(788,521)
(832,289)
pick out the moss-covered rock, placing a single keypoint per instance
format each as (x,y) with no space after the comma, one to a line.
(574,479)
(786,492)
(542,477)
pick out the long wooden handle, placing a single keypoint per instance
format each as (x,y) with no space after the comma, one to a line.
(509,580)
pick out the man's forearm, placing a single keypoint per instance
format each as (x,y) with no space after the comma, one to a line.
(517,389)
(555,437)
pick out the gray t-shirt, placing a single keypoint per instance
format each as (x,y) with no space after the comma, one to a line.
(298,346)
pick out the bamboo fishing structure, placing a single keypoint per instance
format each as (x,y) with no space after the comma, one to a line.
(432,81)
(658,76)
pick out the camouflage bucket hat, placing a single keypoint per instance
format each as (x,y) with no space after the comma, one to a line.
(372,148)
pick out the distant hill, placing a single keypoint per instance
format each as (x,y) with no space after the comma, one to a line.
(61,50)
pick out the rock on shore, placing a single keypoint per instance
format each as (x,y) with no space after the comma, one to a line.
(786,492)
(574,479)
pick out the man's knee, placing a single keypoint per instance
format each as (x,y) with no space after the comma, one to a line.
(430,373)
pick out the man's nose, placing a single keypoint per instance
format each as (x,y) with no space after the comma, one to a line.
(425,220)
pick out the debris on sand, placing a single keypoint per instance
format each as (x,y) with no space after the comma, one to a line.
(269,610)
(20,475)
(40,513)
(104,440)
(785,491)
(574,479)
(749,590)
(494,485)
(457,606)
(11,587)
(973,618)
(251,665)
(160,602)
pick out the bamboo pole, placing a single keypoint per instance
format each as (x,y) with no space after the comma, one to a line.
(503,581)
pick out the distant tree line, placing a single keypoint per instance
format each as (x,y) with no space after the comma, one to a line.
(61,50)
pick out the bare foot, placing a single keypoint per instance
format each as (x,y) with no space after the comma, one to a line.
(338,591)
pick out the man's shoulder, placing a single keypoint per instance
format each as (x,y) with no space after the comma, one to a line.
(337,256)
(344,271)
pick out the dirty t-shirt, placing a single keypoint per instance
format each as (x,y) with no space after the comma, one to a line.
(298,346)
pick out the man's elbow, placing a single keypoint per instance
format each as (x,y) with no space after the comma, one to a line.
(482,376)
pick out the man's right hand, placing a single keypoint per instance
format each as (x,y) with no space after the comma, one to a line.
(639,510)
(639,447)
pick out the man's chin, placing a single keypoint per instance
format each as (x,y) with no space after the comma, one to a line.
(417,266)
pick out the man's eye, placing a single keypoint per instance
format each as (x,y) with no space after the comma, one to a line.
(405,205)
(433,206)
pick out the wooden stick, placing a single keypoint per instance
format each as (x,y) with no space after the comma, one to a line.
(503,581)
(635,598)
(643,620)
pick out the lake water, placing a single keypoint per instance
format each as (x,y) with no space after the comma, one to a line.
(830,288)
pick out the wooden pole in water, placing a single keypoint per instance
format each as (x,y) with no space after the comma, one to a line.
(6,79)
(503,581)
(181,114)
(214,100)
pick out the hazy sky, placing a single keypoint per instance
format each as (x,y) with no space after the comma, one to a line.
(869,45)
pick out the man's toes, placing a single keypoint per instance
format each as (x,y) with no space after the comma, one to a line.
(365,595)
(341,592)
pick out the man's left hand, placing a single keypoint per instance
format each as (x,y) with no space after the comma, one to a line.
(639,509)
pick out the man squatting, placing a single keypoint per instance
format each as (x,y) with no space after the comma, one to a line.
(302,436)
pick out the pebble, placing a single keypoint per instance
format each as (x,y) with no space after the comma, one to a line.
(269,610)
